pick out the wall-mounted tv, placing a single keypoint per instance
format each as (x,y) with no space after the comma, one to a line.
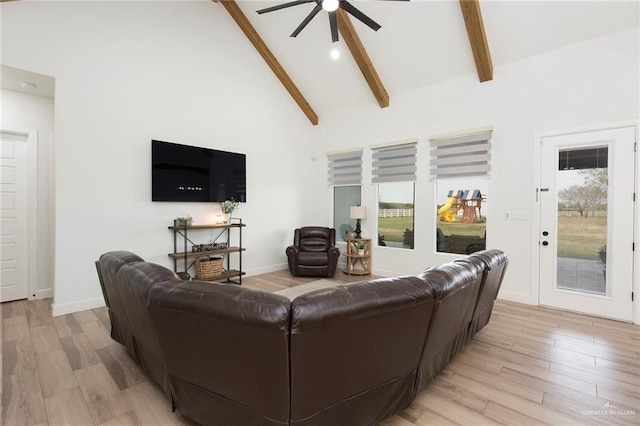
(190,173)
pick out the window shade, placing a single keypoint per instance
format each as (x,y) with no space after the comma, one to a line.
(345,168)
(395,163)
(461,156)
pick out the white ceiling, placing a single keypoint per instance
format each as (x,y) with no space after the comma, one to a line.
(421,42)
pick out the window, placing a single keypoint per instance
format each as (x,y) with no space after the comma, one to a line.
(345,175)
(461,217)
(395,214)
(343,198)
(460,166)
(394,170)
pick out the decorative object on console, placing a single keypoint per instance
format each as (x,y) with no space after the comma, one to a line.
(197,248)
(358,212)
(209,267)
(185,220)
(228,206)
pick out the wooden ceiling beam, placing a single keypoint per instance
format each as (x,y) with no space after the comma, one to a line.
(353,42)
(478,38)
(241,20)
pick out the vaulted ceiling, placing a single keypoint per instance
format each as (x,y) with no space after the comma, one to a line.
(470,11)
(421,42)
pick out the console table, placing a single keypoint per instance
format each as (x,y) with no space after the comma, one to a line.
(358,261)
(182,235)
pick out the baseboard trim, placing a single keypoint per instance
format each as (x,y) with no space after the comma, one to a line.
(83,305)
(267,269)
(44,293)
(518,298)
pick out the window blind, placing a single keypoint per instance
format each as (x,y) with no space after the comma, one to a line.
(461,156)
(395,163)
(345,168)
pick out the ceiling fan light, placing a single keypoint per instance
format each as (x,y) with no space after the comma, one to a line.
(330,5)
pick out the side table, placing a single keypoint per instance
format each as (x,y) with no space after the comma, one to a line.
(358,260)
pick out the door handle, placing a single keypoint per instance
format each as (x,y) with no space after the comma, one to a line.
(545,233)
(545,243)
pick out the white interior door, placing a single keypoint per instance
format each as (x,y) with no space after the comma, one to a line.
(13,218)
(586,222)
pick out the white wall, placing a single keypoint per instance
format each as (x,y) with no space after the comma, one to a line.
(581,85)
(127,73)
(25,113)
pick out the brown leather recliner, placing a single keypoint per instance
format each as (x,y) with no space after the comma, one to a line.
(314,252)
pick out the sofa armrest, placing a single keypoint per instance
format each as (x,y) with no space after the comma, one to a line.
(334,255)
(292,258)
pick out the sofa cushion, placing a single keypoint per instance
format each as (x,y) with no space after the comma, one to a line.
(355,350)
(226,349)
(313,258)
(454,286)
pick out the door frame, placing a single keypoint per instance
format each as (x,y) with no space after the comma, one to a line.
(535,213)
(32,210)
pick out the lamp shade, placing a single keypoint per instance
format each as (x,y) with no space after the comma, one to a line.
(358,212)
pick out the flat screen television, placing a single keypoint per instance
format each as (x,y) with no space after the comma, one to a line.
(190,173)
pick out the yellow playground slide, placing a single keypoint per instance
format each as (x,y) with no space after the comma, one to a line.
(448,211)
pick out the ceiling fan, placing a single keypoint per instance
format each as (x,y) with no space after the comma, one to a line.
(330,6)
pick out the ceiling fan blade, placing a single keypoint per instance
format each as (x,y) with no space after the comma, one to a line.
(333,23)
(309,17)
(283,6)
(348,7)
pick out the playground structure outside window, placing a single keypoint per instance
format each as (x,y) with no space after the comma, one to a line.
(461,221)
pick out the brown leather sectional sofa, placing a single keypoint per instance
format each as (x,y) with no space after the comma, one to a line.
(352,354)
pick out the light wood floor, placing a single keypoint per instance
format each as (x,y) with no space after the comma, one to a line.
(530,365)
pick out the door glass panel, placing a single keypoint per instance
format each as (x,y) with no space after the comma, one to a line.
(582,182)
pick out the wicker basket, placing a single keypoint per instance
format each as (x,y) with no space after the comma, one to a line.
(208,268)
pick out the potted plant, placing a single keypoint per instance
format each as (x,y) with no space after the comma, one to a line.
(228,206)
(185,220)
(361,246)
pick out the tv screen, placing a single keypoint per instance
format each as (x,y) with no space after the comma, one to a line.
(189,173)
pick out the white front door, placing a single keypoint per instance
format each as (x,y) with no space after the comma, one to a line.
(13,218)
(586,230)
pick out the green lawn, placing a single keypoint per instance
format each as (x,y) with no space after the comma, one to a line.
(392,228)
(458,228)
(579,237)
